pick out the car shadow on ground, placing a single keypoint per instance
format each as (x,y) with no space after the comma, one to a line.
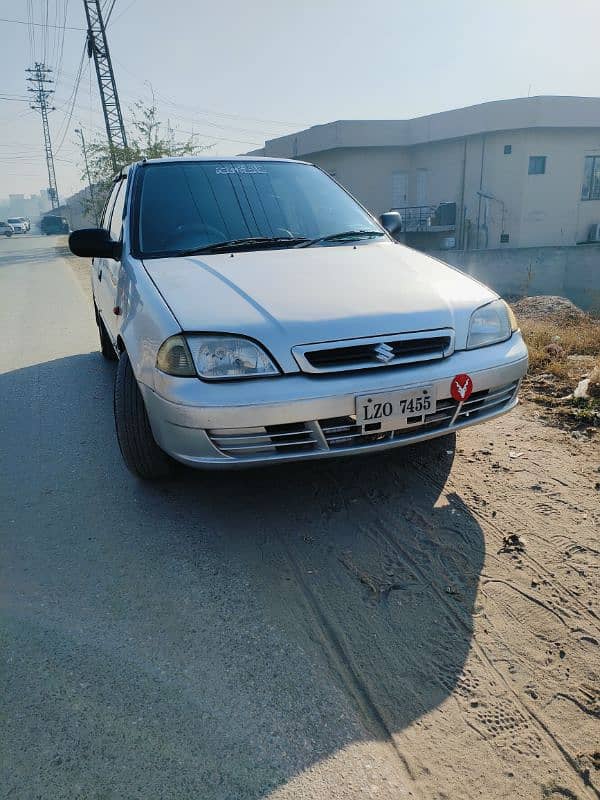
(217,634)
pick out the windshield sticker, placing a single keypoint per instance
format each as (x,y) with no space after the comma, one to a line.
(243,169)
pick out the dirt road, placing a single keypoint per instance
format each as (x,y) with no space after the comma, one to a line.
(358,629)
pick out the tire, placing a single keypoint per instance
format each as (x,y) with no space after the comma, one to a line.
(106,346)
(140,452)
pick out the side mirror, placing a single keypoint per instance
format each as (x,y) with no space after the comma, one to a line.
(392,222)
(94,243)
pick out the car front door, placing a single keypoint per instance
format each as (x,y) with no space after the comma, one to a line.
(106,270)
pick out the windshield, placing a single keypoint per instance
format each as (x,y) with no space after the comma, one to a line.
(196,204)
(12,220)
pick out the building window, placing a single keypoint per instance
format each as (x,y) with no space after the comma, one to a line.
(504,238)
(591,179)
(507,149)
(537,165)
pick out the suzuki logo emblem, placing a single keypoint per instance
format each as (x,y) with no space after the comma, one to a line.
(384,353)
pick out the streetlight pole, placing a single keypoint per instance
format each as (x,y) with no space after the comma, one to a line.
(87,172)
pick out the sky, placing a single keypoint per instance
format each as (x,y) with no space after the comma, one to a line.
(237,73)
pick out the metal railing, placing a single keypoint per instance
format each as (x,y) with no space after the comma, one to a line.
(428,218)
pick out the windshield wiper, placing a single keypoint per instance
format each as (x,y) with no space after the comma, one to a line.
(340,237)
(251,242)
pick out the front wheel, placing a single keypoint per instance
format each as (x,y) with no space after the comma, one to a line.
(140,452)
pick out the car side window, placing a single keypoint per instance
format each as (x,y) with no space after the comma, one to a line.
(109,206)
(116,221)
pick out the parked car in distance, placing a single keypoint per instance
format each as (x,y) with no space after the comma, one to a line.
(6,229)
(25,221)
(18,224)
(260,314)
(53,225)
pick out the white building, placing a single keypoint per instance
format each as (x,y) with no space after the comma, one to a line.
(515,173)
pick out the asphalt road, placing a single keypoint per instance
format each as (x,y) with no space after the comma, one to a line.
(275,633)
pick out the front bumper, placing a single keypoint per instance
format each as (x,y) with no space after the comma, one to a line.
(299,416)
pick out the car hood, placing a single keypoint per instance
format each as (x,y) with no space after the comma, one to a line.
(300,296)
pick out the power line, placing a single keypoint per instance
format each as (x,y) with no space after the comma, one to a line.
(72,99)
(209,111)
(60,51)
(125,9)
(45,40)
(30,29)
(110,10)
(41,24)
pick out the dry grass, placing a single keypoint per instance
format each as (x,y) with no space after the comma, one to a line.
(552,341)
(562,349)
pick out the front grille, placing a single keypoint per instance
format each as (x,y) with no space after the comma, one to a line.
(297,437)
(479,403)
(381,351)
(344,432)
(336,433)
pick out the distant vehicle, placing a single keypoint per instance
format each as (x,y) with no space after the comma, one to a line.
(19,225)
(260,314)
(51,224)
(6,229)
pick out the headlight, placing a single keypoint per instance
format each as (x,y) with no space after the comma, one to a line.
(217,357)
(174,358)
(490,324)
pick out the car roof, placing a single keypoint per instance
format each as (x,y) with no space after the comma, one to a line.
(215,158)
(221,159)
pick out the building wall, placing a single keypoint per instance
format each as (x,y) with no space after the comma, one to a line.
(20,206)
(572,272)
(553,212)
(533,210)
(521,113)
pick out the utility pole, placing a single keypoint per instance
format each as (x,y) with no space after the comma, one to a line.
(87,172)
(97,46)
(39,80)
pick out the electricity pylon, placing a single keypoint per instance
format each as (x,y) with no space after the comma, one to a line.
(97,46)
(39,80)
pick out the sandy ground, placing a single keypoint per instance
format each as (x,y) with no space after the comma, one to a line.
(356,629)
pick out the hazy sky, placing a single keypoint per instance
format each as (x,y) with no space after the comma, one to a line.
(239,72)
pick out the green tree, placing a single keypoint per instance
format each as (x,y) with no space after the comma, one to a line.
(148,137)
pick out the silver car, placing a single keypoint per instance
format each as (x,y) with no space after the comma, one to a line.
(18,224)
(260,314)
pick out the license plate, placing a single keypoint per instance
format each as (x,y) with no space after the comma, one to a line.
(386,411)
